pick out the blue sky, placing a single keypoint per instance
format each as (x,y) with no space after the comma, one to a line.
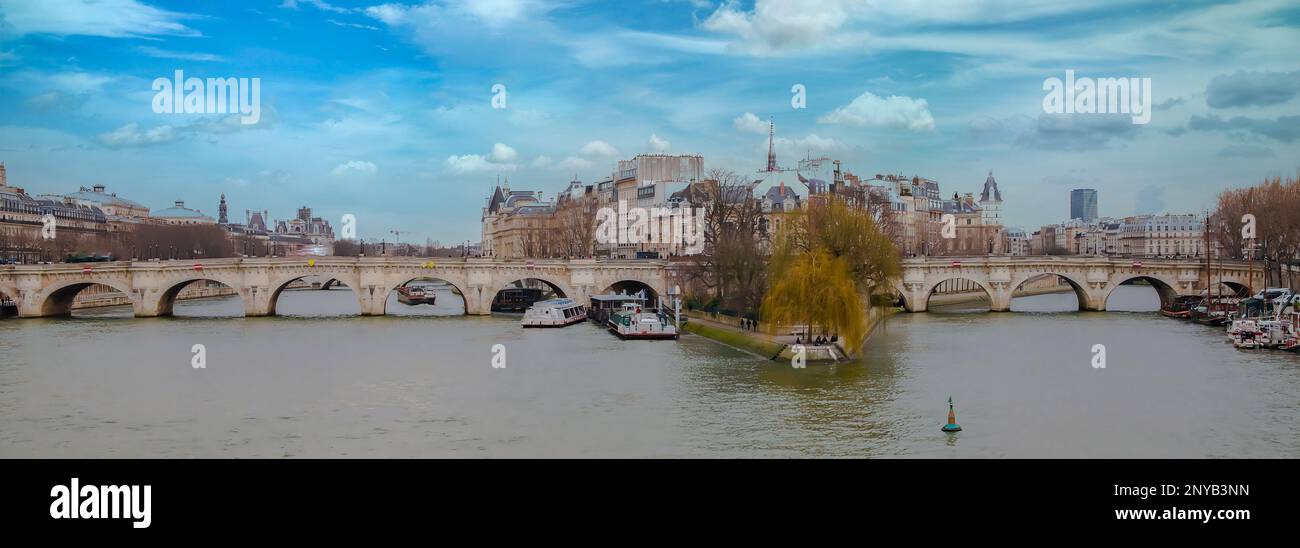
(383,110)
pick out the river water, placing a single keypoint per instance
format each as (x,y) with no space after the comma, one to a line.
(320,382)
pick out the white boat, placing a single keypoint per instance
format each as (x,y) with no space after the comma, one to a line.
(412,295)
(554,313)
(636,322)
(1248,335)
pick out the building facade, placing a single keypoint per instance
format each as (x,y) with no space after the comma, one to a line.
(1163,235)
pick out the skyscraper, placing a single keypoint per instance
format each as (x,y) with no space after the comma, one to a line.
(1083,204)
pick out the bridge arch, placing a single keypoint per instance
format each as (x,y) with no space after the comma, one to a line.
(278,287)
(1079,286)
(11,294)
(56,298)
(633,285)
(560,288)
(928,289)
(162,302)
(1238,289)
(1165,288)
(391,293)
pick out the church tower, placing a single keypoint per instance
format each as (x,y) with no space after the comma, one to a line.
(221,211)
(991,202)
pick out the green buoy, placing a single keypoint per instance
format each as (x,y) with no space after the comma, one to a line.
(952,425)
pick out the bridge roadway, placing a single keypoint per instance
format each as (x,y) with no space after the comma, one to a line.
(152,286)
(1093,278)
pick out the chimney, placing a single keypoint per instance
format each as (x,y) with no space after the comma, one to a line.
(180,203)
(99,188)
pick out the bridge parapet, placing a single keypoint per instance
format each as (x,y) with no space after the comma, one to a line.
(152,286)
(1093,278)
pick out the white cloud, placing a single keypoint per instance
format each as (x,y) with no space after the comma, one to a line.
(598,148)
(491,13)
(110,18)
(749,123)
(355,166)
(400,15)
(476,163)
(500,159)
(497,13)
(318,4)
(895,111)
(68,82)
(812,143)
(338,23)
(569,163)
(659,145)
(188,56)
(573,162)
(130,135)
(775,27)
(502,154)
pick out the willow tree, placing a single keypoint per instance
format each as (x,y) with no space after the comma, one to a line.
(827,261)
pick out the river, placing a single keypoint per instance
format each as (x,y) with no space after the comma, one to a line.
(320,382)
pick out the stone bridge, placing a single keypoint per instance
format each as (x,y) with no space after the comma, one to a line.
(152,286)
(1092,278)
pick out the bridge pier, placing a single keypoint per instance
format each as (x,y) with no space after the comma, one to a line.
(1095,301)
(478,301)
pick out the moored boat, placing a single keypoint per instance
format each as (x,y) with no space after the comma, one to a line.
(413,294)
(1248,336)
(516,299)
(635,322)
(1181,308)
(554,313)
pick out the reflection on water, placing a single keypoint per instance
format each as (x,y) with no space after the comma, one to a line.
(320,382)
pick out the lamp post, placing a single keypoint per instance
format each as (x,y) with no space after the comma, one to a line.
(675,294)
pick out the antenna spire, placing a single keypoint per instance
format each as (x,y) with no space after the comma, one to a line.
(771,145)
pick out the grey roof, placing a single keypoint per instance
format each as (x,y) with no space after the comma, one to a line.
(958,206)
(104,198)
(991,188)
(25,203)
(180,213)
(781,193)
(534,209)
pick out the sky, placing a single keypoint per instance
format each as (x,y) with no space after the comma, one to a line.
(385,110)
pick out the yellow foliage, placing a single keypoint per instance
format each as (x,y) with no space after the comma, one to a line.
(824,265)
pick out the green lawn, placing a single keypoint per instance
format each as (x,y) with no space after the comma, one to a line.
(759,346)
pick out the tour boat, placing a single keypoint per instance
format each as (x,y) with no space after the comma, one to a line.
(554,313)
(516,299)
(413,295)
(1248,336)
(1290,344)
(636,322)
(1181,308)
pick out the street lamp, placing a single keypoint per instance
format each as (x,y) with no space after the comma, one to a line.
(675,295)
